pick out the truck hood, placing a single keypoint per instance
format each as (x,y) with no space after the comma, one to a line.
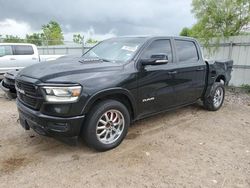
(62,69)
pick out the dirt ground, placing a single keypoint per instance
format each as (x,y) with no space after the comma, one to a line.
(189,147)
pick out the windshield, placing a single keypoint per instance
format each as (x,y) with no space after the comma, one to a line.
(117,49)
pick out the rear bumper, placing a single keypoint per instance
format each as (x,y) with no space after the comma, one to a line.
(49,125)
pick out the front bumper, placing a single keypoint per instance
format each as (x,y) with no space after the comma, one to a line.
(1,76)
(9,93)
(49,125)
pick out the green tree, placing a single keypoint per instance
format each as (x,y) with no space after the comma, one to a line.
(52,33)
(219,18)
(14,39)
(92,41)
(77,38)
(186,32)
(35,38)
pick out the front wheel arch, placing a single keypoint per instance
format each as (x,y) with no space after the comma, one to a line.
(119,94)
(90,130)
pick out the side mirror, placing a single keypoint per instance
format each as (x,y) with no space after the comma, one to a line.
(157,59)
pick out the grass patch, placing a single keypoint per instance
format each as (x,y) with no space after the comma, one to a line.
(246,87)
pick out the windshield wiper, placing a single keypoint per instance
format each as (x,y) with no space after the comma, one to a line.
(103,59)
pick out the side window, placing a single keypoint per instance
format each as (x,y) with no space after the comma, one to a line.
(5,50)
(186,51)
(23,50)
(161,46)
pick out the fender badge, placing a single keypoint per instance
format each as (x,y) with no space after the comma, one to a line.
(148,99)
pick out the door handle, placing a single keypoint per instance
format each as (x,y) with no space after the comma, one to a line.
(200,69)
(12,58)
(172,72)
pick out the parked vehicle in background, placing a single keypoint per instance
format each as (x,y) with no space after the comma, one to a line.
(15,56)
(8,84)
(118,81)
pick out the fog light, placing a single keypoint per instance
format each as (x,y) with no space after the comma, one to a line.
(57,108)
(61,109)
(58,126)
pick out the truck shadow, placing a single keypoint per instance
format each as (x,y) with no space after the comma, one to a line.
(164,121)
(48,146)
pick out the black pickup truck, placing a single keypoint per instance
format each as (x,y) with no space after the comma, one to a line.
(118,81)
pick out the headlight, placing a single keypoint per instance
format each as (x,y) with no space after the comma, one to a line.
(62,93)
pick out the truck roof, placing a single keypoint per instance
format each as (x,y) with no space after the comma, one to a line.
(155,37)
(17,44)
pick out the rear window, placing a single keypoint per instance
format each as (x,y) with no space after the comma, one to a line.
(186,50)
(5,50)
(23,50)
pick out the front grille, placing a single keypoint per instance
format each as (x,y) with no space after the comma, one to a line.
(6,85)
(28,94)
(28,100)
(27,87)
(9,83)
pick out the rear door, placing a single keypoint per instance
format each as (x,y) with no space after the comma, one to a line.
(155,84)
(24,55)
(191,72)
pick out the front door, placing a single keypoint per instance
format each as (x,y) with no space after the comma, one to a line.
(155,83)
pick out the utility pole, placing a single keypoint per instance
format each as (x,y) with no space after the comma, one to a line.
(47,41)
(83,45)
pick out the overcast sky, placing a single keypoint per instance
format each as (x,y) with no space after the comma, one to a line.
(96,18)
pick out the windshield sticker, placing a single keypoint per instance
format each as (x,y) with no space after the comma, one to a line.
(130,48)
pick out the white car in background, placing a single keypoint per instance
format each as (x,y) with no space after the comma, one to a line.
(15,56)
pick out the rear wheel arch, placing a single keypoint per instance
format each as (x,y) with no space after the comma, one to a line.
(221,78)
(209,102)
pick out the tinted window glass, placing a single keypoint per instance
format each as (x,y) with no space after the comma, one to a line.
(158,47)
(186,50)
(5,50)
(23,50)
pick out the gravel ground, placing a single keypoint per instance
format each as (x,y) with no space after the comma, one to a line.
(189,147)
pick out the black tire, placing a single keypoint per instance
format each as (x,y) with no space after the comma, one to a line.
(89,132)
(209,101)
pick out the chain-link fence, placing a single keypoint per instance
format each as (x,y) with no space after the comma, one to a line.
(69,49)
(236,48)
(53,47)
